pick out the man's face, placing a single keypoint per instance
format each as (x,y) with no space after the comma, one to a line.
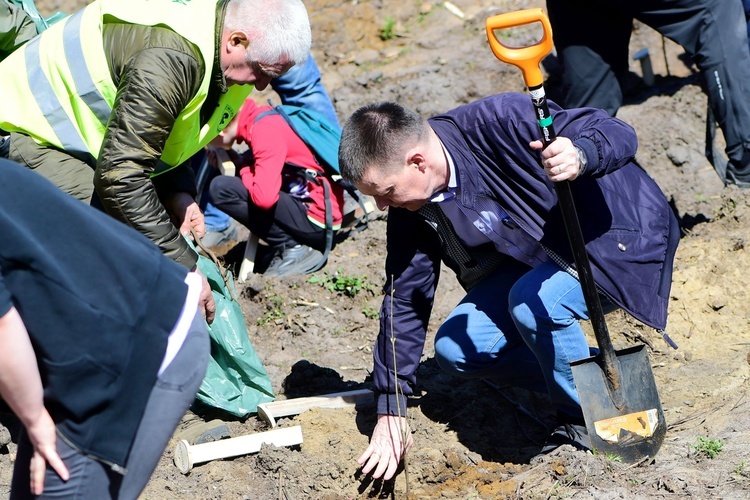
(239,71)
(409,187)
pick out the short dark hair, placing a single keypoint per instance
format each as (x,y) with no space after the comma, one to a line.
(378,134)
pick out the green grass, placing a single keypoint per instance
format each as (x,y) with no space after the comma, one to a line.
(386,31)
(341,283)
(370,312)
(273,312)
(708,448)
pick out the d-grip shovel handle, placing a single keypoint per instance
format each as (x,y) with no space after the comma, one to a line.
(528,59)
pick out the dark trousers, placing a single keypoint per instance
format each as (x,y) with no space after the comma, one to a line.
(284,224)
(592,37)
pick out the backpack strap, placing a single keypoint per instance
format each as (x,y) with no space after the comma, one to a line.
(313,176)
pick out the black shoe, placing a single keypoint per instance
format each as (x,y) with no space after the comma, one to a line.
(573,434)
(297,259)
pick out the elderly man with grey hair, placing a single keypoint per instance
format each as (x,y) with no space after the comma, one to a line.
(110,103)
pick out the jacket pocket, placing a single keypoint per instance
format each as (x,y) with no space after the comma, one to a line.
(78,388)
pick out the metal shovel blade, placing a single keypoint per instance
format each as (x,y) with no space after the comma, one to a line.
(637,429)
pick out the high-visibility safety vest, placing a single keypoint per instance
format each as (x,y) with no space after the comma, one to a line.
(57,88)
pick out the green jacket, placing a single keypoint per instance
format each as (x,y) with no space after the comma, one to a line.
(16,28)
(126,151)
(131,133)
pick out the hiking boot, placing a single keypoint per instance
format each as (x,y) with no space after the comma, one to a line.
(575,435)
(221,242)
(297,259)
(195,430)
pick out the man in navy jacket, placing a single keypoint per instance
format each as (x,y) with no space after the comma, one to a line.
(102,349)
(472,188)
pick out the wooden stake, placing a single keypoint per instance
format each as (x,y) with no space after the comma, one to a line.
(187,455)
(226,165)
(248,261)
(269,412)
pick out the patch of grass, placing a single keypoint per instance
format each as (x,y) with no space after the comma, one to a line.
(742,469)
(341,283)
(370,312)
(708,448)
(273,310)
(613,457)
(386,31)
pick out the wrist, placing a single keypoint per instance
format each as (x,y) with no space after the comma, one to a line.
(582,160)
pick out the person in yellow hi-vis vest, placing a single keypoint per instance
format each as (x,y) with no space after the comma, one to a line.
(110,103)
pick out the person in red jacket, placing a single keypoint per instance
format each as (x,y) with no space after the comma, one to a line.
(271,195)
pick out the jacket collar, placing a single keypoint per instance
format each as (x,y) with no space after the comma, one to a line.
(217,76)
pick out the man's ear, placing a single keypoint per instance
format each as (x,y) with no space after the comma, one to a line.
(236,39)
(416,159)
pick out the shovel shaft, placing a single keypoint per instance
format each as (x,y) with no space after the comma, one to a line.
(578,247)
(530,69)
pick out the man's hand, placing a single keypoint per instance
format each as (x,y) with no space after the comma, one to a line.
(21,388)
(186,214)
(387,446)
(559,159)
(206,302)
(44,440)
(193,220)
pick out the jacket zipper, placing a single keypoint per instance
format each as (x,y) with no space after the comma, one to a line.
(113,466)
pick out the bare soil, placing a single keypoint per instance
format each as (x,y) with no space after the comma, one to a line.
(474,440)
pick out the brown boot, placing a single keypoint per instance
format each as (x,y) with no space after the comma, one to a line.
(195,430)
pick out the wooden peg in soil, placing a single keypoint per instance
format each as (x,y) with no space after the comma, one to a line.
(269,412)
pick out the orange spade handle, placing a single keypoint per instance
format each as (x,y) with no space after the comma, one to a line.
(526,58)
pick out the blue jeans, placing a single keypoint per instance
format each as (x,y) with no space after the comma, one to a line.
(520,327)
(171,396)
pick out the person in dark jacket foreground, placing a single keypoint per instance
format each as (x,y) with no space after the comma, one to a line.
(101,346)
(474,189)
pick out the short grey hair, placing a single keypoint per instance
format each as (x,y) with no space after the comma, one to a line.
(276,29)
(378,134)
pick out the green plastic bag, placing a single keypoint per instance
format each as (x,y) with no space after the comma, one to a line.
(235,381)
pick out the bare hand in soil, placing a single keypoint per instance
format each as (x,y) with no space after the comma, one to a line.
(386,446)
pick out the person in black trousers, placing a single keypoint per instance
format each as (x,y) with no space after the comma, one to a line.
(592,36)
